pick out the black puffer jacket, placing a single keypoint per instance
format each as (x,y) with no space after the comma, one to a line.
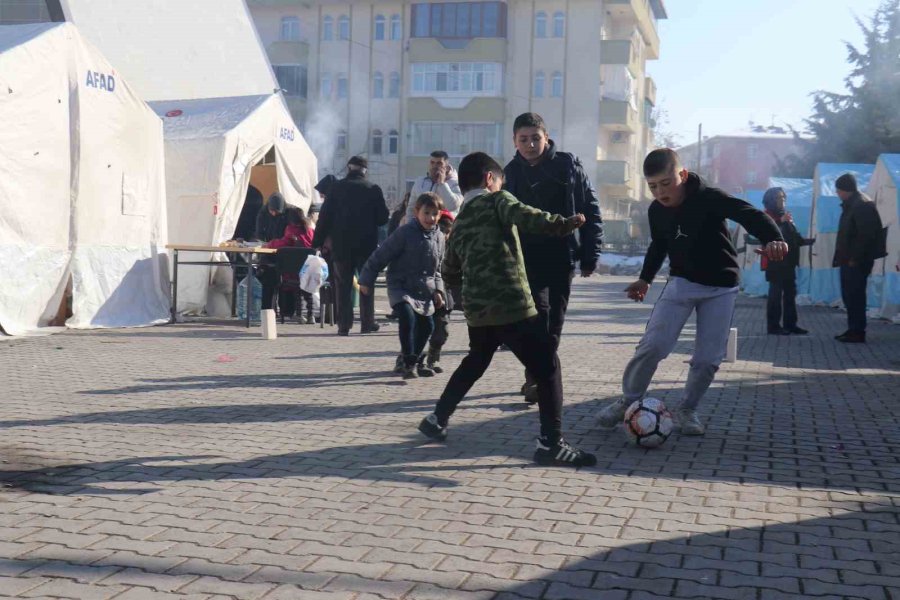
(351,216)
(546,253)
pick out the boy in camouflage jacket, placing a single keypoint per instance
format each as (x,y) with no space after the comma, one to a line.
(484,256)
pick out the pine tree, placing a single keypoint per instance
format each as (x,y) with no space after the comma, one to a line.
(864,122)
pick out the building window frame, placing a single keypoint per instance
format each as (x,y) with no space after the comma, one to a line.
(540,24)
(378,85)
(457,79)
(290,29)
(380,28)
(327,28)
(343,87)
(343,32)
(394,85)
(396,28)
(557,88)
(752,151)
(326,89)
(539,79)
(459,20)
(455,138)
(393,142)
(292,79)
(341,142)
(559,24)
(377,142)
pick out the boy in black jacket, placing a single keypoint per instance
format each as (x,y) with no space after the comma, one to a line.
(687,224)
(555,182)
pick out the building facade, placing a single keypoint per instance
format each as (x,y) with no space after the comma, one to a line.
(741,161)
(394,80)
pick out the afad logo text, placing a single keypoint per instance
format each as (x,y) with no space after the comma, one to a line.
(286,133)
(100,81)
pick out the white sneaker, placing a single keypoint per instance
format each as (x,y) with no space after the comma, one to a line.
(689,422)
(613,414)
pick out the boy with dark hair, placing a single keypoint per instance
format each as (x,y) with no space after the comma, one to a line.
(484,256)
(687,225)
(553,181)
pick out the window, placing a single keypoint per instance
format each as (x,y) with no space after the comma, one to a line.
(394,89)
(540,25)
(462,20)
(342,140)
(291,79)
(290,29)
(328,28)
(379,27)
(342,87)
(378,86)
(559,24)
(539,84)
(20,12)
(377,141)
(556,87)
(457,79)
(393,141)
(343,27)
(325,86)
(457,139)
(396,28)
(751,177)
(752,150)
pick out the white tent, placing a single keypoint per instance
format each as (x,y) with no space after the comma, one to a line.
(203,62)
(824,281)
(81,187)
(211,146)
(883,190)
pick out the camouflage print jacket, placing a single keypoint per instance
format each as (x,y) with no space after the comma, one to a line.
(485,256)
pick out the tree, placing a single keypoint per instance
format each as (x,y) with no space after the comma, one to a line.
(661,135)
(864,122)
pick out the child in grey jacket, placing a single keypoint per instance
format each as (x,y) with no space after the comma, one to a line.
(413,255)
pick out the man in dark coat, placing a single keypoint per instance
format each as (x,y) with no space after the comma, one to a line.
(782,275)
(555,182)
(860,242)
(350,218)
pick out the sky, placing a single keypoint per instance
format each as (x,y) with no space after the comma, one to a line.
(724,63)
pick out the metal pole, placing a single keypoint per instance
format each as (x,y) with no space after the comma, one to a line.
(175,288)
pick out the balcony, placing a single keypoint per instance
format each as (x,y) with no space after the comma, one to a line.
(614,176)
(650,90)
(620,52)
(474,49)
(618,115)
(642,14)
(288,53)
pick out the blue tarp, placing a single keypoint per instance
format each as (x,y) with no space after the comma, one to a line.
(799,200)
(753,279)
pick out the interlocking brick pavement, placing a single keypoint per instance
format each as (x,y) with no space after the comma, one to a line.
(198,461)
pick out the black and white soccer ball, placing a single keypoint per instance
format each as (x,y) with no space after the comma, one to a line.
(648,423)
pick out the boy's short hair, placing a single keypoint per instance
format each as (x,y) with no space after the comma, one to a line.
(440,154)
(529,119)
(473,168)
(431,200)
(661,160)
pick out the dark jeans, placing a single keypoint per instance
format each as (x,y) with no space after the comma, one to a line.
(551,299)
(441,329)
(853,292)
(535,349)
(344,270)
(268,277)
(782,293)
(415,329)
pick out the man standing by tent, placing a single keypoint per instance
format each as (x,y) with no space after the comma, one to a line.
(352,213)
(860,242)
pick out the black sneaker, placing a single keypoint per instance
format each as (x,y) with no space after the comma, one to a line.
(432,429)
(531,393)
(374,328)
(409,372)
(399,365)
(561,454)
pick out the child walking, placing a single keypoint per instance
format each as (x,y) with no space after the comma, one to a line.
(485,257)
(297,234)
(413,255)
(442,315)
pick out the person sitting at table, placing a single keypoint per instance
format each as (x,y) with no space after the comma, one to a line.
(271,219)
(297,234)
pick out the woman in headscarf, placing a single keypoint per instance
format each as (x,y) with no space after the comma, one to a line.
(782,275)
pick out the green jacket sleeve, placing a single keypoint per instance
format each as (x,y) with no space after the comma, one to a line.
(528,219)
(451,267)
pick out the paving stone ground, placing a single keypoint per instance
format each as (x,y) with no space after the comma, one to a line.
(199,461)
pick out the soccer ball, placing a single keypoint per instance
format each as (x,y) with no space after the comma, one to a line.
(648,422)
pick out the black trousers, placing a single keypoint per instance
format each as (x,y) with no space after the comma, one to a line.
(530,341)
(550,292)
(853,291)
(441,329)
(344,271)
(782,294)
(415,329)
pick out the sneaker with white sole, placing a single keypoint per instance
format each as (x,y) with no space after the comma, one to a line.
(613,414)
(432,429)
(561,454)
(688,422)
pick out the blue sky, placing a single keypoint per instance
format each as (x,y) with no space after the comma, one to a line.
(726,62)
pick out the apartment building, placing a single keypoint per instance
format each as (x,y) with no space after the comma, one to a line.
(394,80)
(740,161)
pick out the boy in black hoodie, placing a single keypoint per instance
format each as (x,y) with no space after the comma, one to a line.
(687,225)
(555,182)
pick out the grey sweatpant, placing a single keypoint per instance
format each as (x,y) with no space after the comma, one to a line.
(680,297)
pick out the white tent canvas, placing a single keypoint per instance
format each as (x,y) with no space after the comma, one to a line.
(211,146)
(824,282)
(81,186)
(883,190)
